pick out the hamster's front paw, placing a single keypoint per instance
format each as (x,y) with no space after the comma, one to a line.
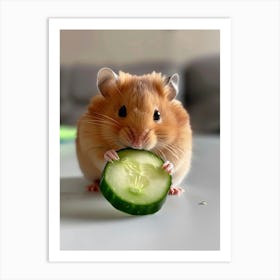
(168,167)
(176,191)
(111,155)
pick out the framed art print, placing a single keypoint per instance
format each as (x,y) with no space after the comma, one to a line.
(195,226)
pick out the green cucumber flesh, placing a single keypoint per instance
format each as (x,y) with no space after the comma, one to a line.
(136,183)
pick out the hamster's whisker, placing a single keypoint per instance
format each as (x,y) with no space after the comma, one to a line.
(175,148)
(112,121)
(160,153)
(106,117)
(170,149)
(100,133)
(173,151)
(163,136)
(102,122)
(109,137)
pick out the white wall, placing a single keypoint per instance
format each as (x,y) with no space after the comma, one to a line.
(130,46)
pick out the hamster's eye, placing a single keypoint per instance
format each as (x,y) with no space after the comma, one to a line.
(122,112)
(156,115)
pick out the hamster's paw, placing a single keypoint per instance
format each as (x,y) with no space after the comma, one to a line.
(94,187)
(176,191)
(111,155)
(168,167)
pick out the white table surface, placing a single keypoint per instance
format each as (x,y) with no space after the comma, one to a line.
(89,222)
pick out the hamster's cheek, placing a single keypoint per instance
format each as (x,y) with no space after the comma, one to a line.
(150,141)
(125,136)
(109,136)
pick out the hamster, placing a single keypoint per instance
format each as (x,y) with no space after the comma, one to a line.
(140,112)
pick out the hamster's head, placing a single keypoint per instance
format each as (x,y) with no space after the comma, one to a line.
(142,110)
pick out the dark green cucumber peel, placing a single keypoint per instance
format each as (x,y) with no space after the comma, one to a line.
(135,198)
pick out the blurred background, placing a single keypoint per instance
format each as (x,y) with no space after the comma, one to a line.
(194,54)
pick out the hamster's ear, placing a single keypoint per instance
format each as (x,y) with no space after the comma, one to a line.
(173,84)
(106,80)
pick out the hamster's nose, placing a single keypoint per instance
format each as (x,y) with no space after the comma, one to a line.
(137,144)
(139,139)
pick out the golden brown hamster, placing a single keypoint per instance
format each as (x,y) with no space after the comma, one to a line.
(140,112)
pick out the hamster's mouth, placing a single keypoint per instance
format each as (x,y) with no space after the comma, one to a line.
(134,145)
(137,147)
(143,141)
(140,147)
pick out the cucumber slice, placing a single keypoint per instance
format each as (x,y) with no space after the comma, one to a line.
(136,183)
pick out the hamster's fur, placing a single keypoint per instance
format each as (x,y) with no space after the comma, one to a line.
(140,112)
